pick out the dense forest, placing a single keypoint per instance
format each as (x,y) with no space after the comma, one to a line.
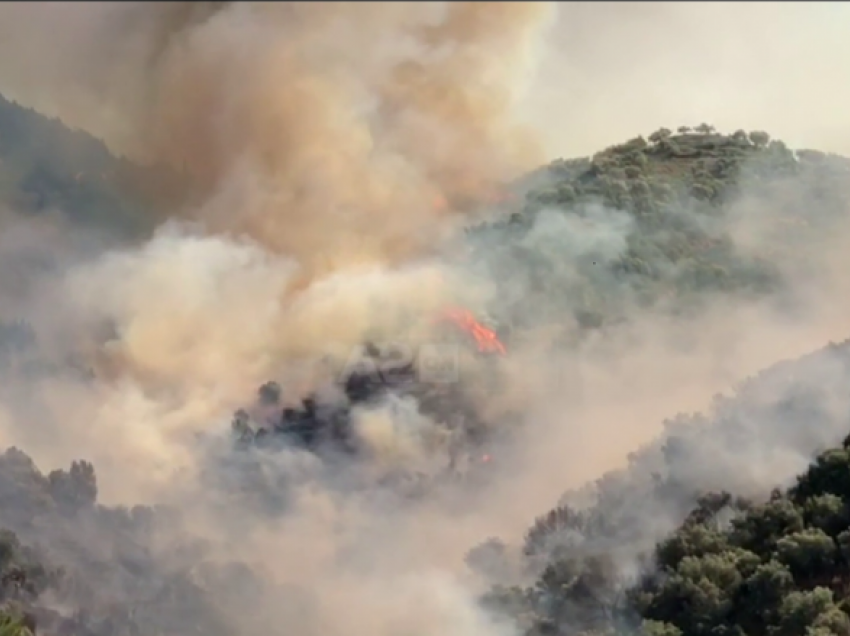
(690,539)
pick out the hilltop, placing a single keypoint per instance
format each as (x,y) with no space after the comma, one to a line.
(653,223)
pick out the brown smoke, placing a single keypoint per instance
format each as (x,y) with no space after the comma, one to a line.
(339,136)
(325,131)
(347,147)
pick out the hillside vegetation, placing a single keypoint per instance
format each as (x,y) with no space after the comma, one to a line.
(691,539)
(47,167)
(654,223)
(60,549)
(688,539)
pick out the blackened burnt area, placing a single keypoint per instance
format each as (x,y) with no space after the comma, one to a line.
(318,425)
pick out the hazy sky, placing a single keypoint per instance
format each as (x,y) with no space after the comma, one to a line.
(616,69)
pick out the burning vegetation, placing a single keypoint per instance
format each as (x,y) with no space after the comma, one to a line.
(328,425)
(486,340)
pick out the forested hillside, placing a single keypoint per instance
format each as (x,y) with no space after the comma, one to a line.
(694,538)
(71,566)
(656,223)
(685,537)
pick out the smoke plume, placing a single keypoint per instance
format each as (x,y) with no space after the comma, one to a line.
(334,133)
(333,150)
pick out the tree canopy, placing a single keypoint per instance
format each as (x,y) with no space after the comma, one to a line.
(654,223)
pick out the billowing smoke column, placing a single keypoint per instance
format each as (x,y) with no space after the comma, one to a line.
(316,138)
(323,131)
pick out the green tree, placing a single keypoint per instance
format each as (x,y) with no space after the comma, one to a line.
(761,595)
(827,512)
(810,554)
(828,475)
(802,611)
(759,138)
(760,530)
(740,136)
(660,135)
(74,489)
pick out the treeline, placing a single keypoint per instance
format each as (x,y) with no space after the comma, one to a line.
(735,566)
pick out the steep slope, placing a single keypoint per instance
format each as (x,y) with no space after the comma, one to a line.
(45,166)
(704,575)
(70,565)
(658,224)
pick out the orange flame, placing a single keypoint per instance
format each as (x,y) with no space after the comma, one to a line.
(486,339)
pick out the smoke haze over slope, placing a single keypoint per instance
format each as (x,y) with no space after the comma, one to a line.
(329,181)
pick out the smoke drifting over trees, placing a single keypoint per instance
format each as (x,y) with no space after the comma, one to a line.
(284,189)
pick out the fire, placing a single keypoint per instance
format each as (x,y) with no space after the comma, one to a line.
(486,339)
